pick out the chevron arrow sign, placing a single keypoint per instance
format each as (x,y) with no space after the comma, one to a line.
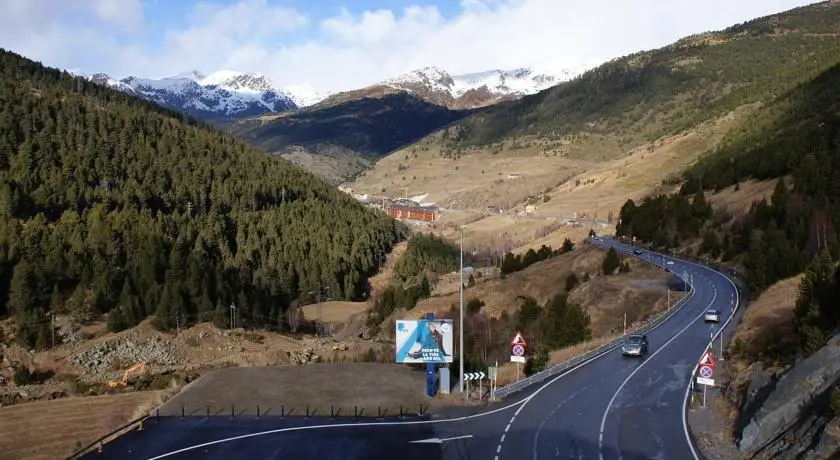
(474,376)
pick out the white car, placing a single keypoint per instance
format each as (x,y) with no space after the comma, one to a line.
(712,316)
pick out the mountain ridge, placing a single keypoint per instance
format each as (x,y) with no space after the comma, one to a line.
(230,94)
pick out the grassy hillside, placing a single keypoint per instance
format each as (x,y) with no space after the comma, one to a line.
(353,133)
(627,129)
(795,137)
(653,93)
(112,205)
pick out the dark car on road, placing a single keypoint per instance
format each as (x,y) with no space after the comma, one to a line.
(637,251)
(635,345)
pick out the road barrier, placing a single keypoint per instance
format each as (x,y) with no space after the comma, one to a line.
(99,443)
(649,325)
(273,413)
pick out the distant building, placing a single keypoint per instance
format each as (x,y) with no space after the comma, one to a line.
(401,210)
(514,176)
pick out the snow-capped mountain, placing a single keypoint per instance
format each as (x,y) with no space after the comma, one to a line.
(468,90)
(228,94)
(516,82)
(221,95)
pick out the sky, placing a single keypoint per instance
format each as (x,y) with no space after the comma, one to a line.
(344,44)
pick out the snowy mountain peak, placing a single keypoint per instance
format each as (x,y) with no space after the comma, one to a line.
(477,88)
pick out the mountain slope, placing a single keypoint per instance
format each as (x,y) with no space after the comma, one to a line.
(466,91)
(649,94)
(795,139)
(109,204)
(623,130)
(345,138)
(220,96)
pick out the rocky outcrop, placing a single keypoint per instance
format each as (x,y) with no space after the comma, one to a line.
(829,444)
(791,420)
(115,354)
(749,390)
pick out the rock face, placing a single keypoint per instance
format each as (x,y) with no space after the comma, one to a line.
(794,414)
(124,352)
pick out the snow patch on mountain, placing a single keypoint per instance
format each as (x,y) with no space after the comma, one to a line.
(500,83)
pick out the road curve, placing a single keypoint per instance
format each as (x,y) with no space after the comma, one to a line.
(609,407)
(614,407)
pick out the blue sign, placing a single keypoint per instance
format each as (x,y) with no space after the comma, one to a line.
(424,341)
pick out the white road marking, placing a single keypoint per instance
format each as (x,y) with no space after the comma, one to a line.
(647,359)
(520,403)
(735,303)
(439,440)
(528,399)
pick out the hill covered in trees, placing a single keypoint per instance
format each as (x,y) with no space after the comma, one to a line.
(649,94)
(795,138)
(351,135)
(112,205)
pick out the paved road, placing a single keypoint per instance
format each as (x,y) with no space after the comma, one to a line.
(609,408)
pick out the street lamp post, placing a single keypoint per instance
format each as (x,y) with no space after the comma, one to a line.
(461,318)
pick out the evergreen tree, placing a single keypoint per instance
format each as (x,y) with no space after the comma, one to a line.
(611,262)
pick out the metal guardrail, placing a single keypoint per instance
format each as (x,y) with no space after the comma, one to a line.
(136,423)
(649,325)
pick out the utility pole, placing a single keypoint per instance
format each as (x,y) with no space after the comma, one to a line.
(283,194)
(625,323)
(52,330)
(461,317)
(232,316)
(189,208)
(318,309)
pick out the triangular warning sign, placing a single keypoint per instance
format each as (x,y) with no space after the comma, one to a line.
(708,359)
(518,339)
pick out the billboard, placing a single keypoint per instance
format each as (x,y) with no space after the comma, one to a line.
(424,341)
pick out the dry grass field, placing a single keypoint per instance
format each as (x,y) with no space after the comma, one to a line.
(604,297)
(771,313)
(54,429)
(334,311)
(576,179)
(738,202)
(318,385)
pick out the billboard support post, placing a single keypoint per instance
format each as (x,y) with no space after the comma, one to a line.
(430,368)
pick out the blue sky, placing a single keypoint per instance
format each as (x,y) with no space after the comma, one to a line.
(343,44)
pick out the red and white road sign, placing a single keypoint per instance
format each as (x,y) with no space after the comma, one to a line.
(518,340)
(708,360)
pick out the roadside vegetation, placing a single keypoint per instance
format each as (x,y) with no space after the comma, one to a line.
(797,135)
(426,257)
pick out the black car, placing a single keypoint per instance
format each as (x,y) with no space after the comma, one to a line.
(637,251)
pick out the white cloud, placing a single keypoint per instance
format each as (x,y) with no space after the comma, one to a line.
(352,49)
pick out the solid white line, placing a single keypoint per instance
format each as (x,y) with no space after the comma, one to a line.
(520,403)
(528,399)
(637,369)
(737,303)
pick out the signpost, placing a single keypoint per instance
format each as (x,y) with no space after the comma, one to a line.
(517,352)
(492,373)
(474,376)
(706,372)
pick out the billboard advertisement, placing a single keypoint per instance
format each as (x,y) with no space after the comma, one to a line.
(424,341)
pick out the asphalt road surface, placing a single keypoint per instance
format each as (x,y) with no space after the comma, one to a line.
(610,407)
